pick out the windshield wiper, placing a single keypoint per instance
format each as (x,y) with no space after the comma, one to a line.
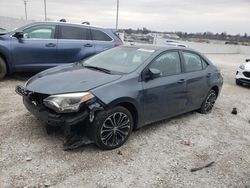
(98,68)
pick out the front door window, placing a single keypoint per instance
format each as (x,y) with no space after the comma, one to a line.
(168,63)
(40,32)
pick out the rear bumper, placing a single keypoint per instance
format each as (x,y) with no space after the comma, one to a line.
(52,118)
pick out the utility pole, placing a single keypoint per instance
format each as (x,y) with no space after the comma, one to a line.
(45,10)
(117,14)
(25,8)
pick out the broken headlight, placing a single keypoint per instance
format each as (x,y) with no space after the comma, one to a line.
(65,103)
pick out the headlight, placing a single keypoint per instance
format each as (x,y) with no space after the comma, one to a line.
(242,67)
(25,85)
(65,103)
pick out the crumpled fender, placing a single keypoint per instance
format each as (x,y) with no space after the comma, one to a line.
(94,106)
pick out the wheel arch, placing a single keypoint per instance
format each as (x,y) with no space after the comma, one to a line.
(130,105)
(216,89)
(4,57)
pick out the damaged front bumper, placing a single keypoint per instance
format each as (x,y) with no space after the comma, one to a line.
(52,118)
(34,104)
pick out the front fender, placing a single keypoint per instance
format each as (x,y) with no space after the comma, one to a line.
(123,90)
(132,105)
(123,100)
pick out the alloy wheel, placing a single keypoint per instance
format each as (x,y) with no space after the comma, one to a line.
(211,98)
(115,129)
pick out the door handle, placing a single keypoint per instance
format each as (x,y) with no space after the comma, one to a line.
(88,45)
(50,45)
(181,81)
(209,75)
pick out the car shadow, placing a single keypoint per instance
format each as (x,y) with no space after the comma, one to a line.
(21,76)
(80,142)
(141,131)
(164,122)
(246,86)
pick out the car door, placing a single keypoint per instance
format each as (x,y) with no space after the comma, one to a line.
(165,96)
(36,49)
(101,40)
(74,43)
(197,79)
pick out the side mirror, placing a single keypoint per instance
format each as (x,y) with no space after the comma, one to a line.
(152,74)
(247,60)
(18,34)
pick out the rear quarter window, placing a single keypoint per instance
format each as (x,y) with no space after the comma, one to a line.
(192,62)
(100,36)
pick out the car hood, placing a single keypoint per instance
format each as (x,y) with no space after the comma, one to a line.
(67,79)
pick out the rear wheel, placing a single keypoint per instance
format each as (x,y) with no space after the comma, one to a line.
(112,128)
(3,68)
(208,103)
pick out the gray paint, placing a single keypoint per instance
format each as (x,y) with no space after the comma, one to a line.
(154,100)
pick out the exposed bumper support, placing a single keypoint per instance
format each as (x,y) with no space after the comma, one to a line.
(34,104)
(55,119)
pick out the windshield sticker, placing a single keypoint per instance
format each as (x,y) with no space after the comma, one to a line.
(145,50)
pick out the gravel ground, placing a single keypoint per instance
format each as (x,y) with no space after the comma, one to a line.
(154,156)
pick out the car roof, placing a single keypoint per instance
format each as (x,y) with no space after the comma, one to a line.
(67,23)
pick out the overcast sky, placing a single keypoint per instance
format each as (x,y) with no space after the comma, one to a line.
(231,16)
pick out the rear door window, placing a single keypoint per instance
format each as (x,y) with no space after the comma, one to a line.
(74,33)
(192,62)
(100,36)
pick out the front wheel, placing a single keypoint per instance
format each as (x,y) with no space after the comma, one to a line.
(3,69)
(112,128)
(208,103)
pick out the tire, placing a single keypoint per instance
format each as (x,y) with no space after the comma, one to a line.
(106,133)
(3,69)
(208,103)
(238,82)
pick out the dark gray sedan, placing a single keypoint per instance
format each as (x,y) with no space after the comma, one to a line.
(123,89)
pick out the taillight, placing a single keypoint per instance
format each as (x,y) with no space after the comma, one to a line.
(117,44)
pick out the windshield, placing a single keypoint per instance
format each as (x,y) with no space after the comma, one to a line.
(2,30)
(120,59)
